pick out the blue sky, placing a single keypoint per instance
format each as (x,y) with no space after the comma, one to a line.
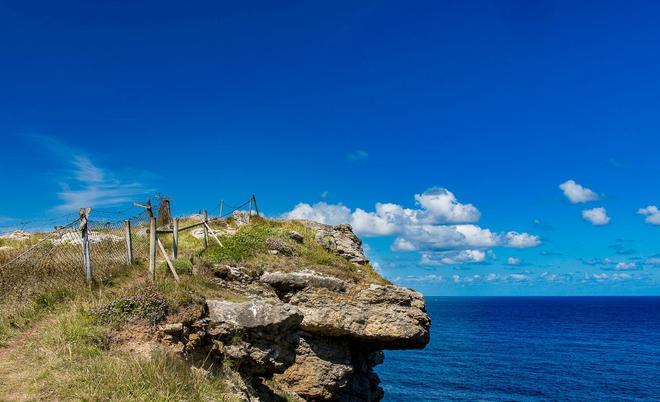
(460,119)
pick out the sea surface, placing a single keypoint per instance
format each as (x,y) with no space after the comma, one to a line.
(532,349)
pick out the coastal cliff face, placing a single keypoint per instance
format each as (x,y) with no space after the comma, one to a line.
(299,331)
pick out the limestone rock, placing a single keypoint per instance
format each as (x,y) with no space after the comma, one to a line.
(296,236)
(16,235)
(287,281)
(279,246)
(227,317)
(340,240)
(383,317)
(240,218)
(259,338)
(322,370)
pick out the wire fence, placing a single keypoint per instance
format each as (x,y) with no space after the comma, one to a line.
(38,256)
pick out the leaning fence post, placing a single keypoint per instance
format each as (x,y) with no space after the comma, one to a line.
(129,242)
(87,260)
(206,231)
(175,239)
(152,248)
(256,207)
(250,211)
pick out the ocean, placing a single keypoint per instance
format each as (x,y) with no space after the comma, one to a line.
(532,349)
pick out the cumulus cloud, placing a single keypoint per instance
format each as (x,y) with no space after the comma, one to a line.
(577,193)
(651,213)
(321,212)
(513,261)
(597,216)
(443,207)
(440,224)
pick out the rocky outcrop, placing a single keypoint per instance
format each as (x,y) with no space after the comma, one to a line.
(294,281)
(322,370)
(316,336)
(340,240)
(383,317)
(257,337)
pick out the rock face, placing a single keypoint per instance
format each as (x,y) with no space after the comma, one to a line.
(339,239)
(315,336)
(258,337)
(322,369)
(288,281)
(382,317)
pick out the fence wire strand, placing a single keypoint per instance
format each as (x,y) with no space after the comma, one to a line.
(50,256)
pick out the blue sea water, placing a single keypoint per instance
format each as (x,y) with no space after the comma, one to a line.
(532,349)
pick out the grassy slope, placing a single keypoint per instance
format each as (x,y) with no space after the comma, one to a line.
(58,344)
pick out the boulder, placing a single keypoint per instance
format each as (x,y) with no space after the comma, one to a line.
(241,218)
(381,317)
(227,317)
(340,240)
(279,246)
(259,338)
(288,281)
(296,236)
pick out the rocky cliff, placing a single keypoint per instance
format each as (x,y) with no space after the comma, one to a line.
(307,332)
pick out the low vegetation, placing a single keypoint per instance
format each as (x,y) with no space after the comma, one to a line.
(58,339)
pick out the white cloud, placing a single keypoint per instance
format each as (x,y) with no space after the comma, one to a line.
(521,240)
(320,212)
(432,228)
(577,193)
(92,186)
(401,244)
(652,214)
(597,216)
(443,207)
(654,261)
(513,261)
(453,257)
(447,237)
(624,266)
(372,224)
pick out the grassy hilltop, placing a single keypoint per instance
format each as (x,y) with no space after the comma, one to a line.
(68,342)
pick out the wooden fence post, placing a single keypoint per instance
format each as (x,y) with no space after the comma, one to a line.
(256,207)
(152,248)
(175,239)
(87,260)
(206,231)
(222,204)
(250,211)
(129,242)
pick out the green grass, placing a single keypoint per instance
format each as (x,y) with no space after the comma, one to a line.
(74,363)
(248,247)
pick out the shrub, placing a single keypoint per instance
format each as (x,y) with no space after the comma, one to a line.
(148,305)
